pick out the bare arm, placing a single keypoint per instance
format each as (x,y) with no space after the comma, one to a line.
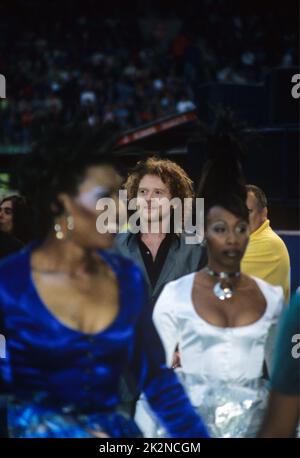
(281,417)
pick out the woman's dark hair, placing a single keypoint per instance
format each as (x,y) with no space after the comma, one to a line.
(57,164)
(22,218)
(222,181)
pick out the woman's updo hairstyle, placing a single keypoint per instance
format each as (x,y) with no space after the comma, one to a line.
(222,181)
(57,163)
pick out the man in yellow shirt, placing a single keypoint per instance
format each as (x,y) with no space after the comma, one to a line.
(266,256)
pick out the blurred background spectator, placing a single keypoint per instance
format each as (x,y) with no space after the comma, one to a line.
(16,218)
(131,62)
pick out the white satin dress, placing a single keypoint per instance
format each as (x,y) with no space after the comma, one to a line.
(222,368)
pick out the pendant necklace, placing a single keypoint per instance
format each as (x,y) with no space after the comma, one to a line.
(223,288)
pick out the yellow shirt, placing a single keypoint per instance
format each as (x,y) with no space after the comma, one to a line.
(267,257)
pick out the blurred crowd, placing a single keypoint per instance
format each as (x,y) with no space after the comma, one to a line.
(129,66)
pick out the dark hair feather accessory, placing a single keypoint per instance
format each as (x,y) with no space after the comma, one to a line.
(222,180)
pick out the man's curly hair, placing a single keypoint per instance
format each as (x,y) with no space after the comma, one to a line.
(170,173)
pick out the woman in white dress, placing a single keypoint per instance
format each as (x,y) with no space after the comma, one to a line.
(222,321)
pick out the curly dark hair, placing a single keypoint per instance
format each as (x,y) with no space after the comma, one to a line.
(57,163)
(169,172)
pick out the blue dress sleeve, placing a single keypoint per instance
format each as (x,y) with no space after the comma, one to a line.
(160,384)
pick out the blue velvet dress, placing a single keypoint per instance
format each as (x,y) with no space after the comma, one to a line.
(64,383)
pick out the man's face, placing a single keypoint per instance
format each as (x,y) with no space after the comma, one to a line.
(257,216)
(152,197)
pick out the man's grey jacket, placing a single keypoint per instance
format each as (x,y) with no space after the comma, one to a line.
(182,259)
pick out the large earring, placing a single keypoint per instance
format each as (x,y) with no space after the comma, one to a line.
(58,232)
(58,229)
(70,223)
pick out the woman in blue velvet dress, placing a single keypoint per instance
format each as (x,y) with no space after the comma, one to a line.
(73,314)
